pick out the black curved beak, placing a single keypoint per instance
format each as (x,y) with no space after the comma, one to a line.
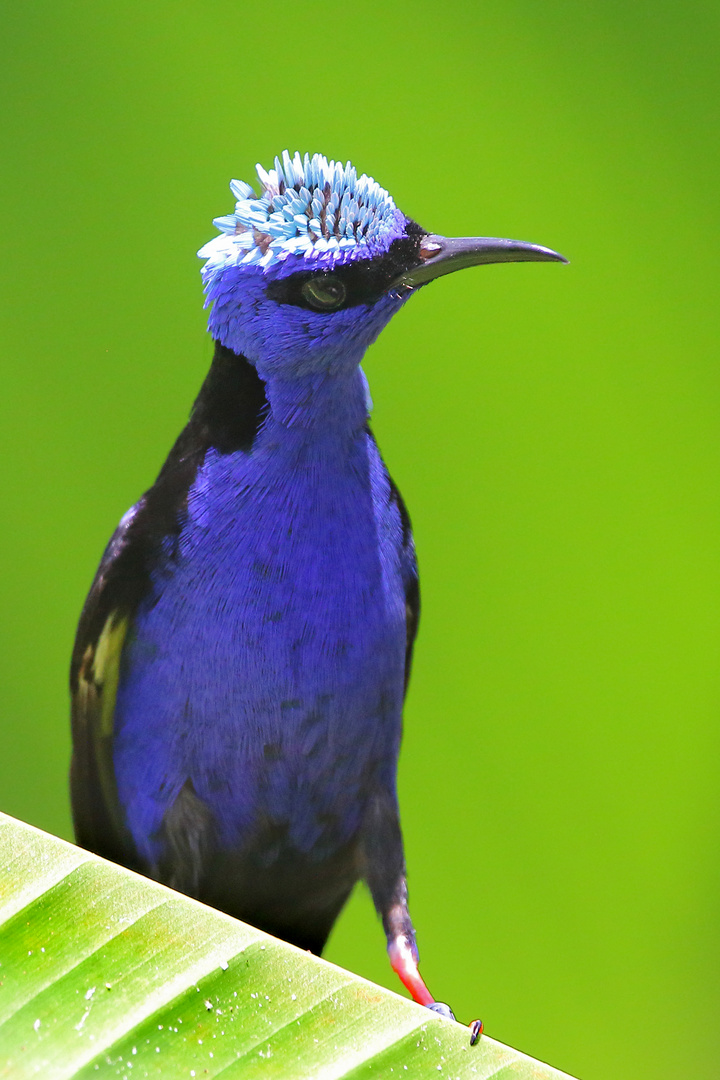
(443,255)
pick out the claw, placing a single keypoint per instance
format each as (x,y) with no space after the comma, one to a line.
(439,1007)
(476,1030)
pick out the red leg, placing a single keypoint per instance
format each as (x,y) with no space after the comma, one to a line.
(404,962)
(385,874)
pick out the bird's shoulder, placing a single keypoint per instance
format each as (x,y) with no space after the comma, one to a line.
(226,416)
(123,577)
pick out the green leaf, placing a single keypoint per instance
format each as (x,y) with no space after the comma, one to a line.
(104,973)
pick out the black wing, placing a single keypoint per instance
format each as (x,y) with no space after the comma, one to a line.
(226,415)
(411,581)
(409,569)
(94,676)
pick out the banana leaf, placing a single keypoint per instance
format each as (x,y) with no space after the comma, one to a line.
(105,973)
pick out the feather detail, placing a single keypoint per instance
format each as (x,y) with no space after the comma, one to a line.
(96,807)
(320,204)
(106,669)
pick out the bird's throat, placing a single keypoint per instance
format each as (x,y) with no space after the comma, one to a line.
(318,404)
(236,405)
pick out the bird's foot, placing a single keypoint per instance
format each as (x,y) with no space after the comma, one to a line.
(439,1007)
(404,961)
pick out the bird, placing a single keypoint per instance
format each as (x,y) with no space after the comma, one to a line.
(242,658)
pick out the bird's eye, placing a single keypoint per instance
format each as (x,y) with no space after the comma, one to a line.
(325,293)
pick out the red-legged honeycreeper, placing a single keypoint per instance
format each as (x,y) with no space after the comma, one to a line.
(242,658)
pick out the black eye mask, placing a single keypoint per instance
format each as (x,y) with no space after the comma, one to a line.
(362,281)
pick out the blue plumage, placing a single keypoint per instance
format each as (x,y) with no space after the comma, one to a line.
(241,661)
(282,691)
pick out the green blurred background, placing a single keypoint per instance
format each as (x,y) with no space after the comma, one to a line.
(554,431)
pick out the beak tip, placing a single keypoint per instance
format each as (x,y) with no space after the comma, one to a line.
(538,253)
(557,257)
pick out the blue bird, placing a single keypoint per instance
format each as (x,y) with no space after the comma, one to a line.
(242,658)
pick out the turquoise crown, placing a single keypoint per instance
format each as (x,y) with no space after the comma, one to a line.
(309,207)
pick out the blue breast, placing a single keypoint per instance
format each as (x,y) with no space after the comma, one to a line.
(267,664)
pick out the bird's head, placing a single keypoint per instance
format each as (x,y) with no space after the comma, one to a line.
(304,277)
